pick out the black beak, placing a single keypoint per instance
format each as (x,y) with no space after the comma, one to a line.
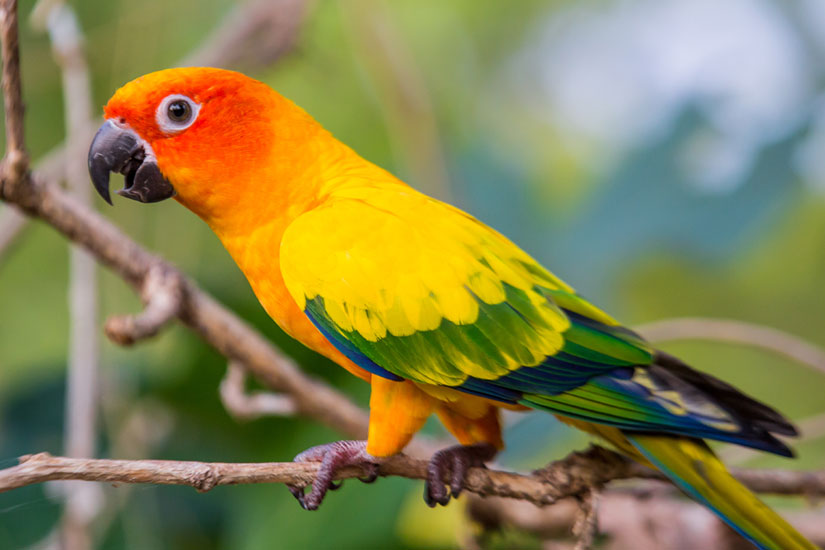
(119,149)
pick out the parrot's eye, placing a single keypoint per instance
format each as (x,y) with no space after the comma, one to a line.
(176,113)
(179,111)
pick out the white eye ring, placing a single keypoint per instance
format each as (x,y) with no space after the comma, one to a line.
(165,116)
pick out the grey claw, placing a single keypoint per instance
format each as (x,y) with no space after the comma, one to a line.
(332,457)
(455,461)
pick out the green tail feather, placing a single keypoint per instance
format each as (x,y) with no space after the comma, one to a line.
(691,465)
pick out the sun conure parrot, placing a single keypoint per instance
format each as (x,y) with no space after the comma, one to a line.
(438,312)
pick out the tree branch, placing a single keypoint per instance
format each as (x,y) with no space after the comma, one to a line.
(12,96)
(585,527)
(253,35)
(248,406)
(728,330)
(562,479)
(162,294)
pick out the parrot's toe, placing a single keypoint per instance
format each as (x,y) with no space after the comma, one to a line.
(453,462)
(332,457)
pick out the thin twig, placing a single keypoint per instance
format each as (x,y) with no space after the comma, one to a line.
(254,35)
(12,96)
(252,405)
(586,525)
(83,502)
(162,292)
(727,330)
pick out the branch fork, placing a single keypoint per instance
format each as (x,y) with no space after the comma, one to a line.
(245,405)
(162,292)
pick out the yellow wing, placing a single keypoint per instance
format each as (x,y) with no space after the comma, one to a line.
(410,288)
(403,276)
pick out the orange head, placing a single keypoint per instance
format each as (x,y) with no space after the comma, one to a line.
(216,139)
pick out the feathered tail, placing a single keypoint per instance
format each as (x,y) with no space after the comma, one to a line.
(691,465)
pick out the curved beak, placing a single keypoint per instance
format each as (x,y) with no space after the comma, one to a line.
(117,148)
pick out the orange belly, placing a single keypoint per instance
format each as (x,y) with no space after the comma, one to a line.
(262,270)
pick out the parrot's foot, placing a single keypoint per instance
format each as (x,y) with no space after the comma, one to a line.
(332,456)
(456,461)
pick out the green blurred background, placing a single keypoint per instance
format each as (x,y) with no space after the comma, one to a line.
(663,156)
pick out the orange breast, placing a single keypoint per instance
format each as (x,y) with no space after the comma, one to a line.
(256,253)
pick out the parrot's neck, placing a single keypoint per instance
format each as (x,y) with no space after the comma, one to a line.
(254,218)
(253,229)
(292,180)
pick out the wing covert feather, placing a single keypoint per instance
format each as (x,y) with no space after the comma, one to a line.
(402,276)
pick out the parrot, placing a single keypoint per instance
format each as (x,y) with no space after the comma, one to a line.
(439,313)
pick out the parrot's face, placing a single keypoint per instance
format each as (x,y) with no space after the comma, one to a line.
(198,133)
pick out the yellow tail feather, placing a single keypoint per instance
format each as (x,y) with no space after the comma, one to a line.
(695,469)
(692,466)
